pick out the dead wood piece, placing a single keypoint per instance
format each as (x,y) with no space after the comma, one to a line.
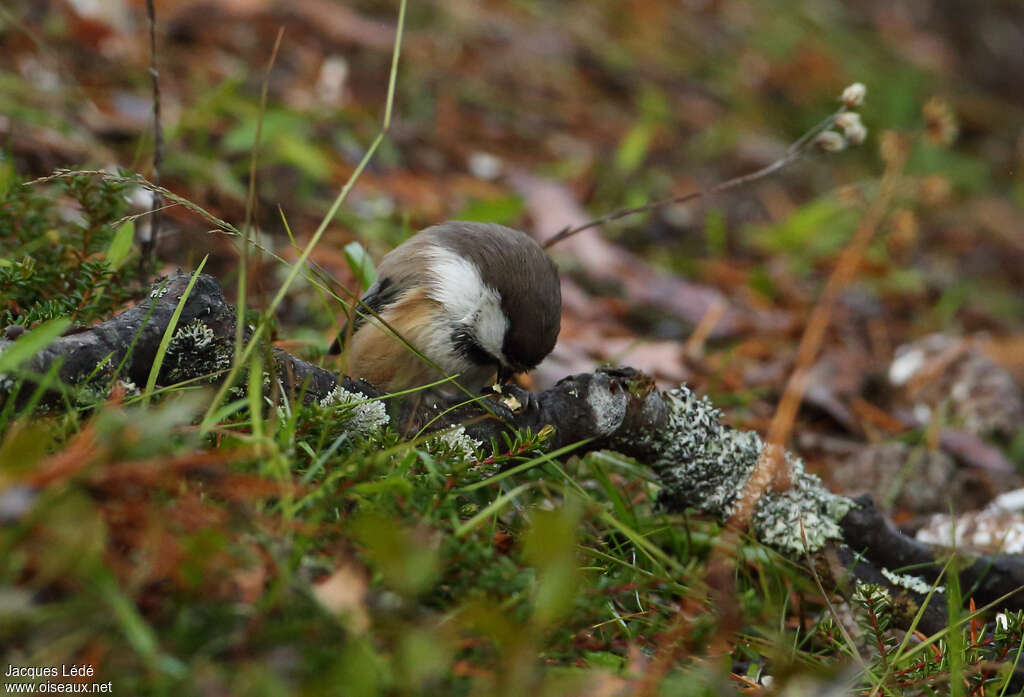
(987,579)
(201,349)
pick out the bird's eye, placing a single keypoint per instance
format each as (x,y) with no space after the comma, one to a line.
(466,344)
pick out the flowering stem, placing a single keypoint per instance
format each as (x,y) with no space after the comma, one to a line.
(795,150)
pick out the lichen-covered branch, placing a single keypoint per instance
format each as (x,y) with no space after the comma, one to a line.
(703,464)
(126,345)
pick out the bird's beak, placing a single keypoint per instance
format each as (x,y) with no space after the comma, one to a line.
(507,372)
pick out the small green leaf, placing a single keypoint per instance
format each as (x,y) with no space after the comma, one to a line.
(32,343)
(501,209)
(24,445)
(7,174)
(298,152)
(605,659)
(715,230)
(405,556)
(361,264)
(275,124)
(121,245)
(633,148)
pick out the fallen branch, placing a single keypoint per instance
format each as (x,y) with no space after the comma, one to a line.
(124,348)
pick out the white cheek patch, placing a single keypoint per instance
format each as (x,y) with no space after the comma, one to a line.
(468,300)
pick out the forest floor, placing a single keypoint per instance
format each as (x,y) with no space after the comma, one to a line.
(177,542)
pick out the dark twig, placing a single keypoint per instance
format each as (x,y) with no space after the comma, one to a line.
(149,245)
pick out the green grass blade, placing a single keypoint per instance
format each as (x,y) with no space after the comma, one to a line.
(546,457)
(161,350)
(491,509)
(32,342)
(121,245)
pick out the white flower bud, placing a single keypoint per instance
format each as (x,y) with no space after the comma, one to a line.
(853,96)
(853,129)
(830,141)
(856,134)
(847,119)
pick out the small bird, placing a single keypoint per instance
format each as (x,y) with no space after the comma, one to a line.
(475,299)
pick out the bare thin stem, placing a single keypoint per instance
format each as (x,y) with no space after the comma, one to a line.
(250,201)
(149,245)
(794,152)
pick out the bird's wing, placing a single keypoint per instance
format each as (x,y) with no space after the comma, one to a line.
(396,273)
(378,296)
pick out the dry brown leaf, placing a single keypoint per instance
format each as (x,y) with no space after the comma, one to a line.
(343,593)
(552,206)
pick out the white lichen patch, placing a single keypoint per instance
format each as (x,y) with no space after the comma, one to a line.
(364,417)
(195,350)
(706,465)
(609,409)
(89,394)
(95,392)
(905,366)
(954,376)
(698,467)
(911,583)
(158,292)
(1009,501)
(195,335)
(129,387)
(802,518)
(457,441)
